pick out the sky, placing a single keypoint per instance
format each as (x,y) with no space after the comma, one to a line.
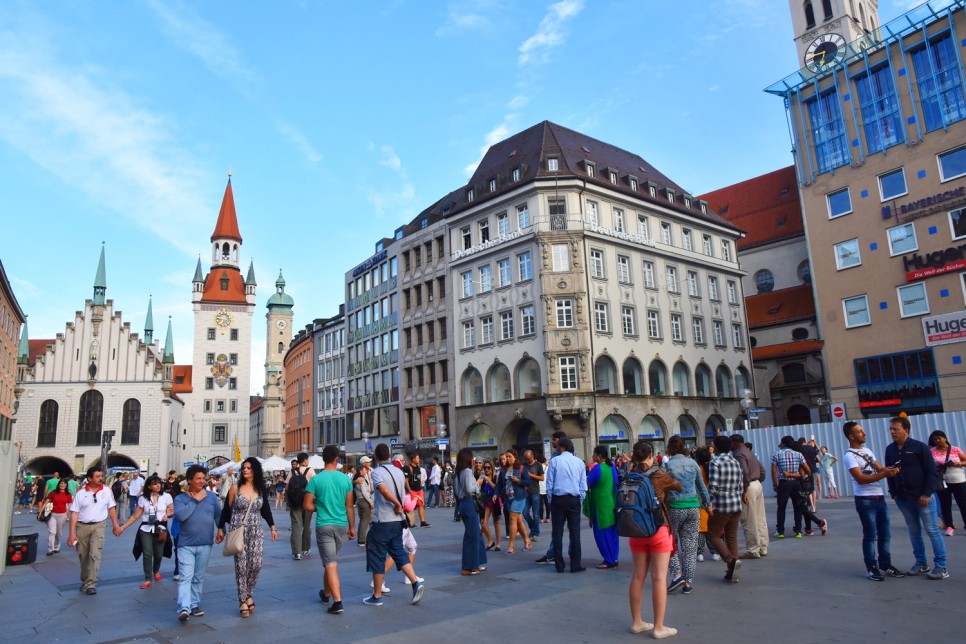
(339,121)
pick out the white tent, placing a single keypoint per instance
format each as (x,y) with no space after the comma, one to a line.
(316,462)
(276,464)
(222,469)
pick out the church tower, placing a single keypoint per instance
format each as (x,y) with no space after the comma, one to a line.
(278,338)
(224,305)
(823,28)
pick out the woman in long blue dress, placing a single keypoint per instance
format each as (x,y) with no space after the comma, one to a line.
(600,504)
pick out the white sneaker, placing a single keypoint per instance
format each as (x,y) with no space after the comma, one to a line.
(385,588)
(716,557)
(409,583)
(700,557)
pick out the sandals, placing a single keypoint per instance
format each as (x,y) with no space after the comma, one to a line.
(527,546)
(243,609)
(509,551)
(492,546)
(251,604)
(603,565)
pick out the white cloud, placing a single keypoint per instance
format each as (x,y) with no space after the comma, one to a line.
(495,135)
(549,34)
(470,15)
(518,102)
(202,39)
(390,159)
(24,288)
(294,136)
(397,203)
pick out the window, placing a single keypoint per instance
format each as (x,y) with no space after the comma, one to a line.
(913,300)
(618,220)
(523,217)
(233,335)
(665,233)
(233,383)
(90,416)
(708,247)
(528,320)
(233,358)
(627,320)
(828,132)
(799,334)
(601,324)
(591,170)
(764,281)
(557,207)
(676,334)
(561,257)
(642,228)
(592,213)
(940,84)
(839,203)
(880,109)
(502,224)
(653,325)
(207,406)
(902,239)
(469,335)
(892,184)
(211,334)
(686,242)
(219,434)
(565,313)
(484,228)
(568,372)
(467,278)
(503,266)
(952,164)
(671,275)
(726,250)
(506,325)
(553,164)
(623,269)
(732,292)
(525,263)
(47,431)
(713,293)
(847,254)
(131,422)
(209,358)
(516,174)
(805,272)
(649,274)
(486,279)
(492,185)
(809,15)
(856,311)
(486,329)
(957,223)
(597,263)
(232,406)
(697,329)
(633,183)
(209,383)
(693,284)
(467,237)
(737,336)
(470,195)
(717,329)
(613,177)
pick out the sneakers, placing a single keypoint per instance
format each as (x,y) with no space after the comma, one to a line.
(385,588)
(666,632)
(734,570)
(894,572)
(808,532)
(176,577)
(421,580)
(424,524)
(798,535)
(183,615)
(91,590)
(197,612)
(874,574)
(297,556)
(700,557)
(675,584)
(917,570)
(325,598)
(938,573)
(305,553)
(688,589)
(716,557)
(779,535)
(824,527)
(949,532)
(372,600)
(335,608)
(418,591)
(545,560)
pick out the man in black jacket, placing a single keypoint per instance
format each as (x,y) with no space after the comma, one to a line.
(913,490)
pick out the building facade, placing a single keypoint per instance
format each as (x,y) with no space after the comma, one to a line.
(329,407)
(878,120)
(11,320)
(278,336)
(298,367)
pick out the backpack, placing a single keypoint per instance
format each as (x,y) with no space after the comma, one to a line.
(296,488)
(639,512)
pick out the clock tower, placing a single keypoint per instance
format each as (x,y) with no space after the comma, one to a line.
(823,28)
(223,303)
(278,337)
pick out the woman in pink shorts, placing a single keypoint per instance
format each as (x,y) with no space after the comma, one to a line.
(651,554)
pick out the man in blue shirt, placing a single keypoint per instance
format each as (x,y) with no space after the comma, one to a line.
(197,511)
(566,487)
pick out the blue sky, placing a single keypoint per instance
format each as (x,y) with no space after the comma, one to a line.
(339,121)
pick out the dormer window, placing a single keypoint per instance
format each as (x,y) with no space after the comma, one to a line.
(224,282)
(687,202)
(633,183)
(553,164)
(704,207)
(492,185)
(470,195)
(591,169)
(516,174)
(670,194)
(613,177)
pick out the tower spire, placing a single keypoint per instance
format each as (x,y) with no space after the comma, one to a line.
(149,324)
(227,226)
(168,356)
(100,281)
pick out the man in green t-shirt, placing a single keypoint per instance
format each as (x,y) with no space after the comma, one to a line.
(329,495)
(52,483)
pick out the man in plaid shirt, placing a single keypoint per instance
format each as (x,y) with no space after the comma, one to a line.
(726,483)
(788,467)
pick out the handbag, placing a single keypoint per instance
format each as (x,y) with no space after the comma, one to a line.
(161,533)
(235,539)
(480,504)
(44,515)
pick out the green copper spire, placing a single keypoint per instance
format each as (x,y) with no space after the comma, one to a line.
(100,281)
(168,357)
(250,280)
(280,300)
(149,325)
(199,276)
(23,355)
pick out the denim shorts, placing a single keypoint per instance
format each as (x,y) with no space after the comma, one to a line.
(330,539)
(385,540)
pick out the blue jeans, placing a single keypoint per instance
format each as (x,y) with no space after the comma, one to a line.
(432,496)
(918,518)
(531,513)
(874,516)
(193,562)
(474,552)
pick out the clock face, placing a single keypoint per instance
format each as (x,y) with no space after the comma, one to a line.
(223,318)
(281,324)
(825,51)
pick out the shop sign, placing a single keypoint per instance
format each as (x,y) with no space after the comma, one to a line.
(948,328)
(926,206)
(939,262)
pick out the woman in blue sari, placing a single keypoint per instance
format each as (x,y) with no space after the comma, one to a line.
(600,505)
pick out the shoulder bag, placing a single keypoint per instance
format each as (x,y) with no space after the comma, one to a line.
(405,515)
(235,539)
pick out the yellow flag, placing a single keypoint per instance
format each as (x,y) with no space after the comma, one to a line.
(237,451)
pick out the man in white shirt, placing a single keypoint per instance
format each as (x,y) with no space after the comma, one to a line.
(435,476)
(134,491)
(92,505)
(226,484)
(867,474)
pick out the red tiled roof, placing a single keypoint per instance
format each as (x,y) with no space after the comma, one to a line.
(227,226)
(37,348)
(181,371)
(776,307)
(765,207)
(236,287)
(786,349)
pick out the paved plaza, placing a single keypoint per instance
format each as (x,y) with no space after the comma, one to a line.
(807,590)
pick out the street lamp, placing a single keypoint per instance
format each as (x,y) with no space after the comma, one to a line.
(746,402)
